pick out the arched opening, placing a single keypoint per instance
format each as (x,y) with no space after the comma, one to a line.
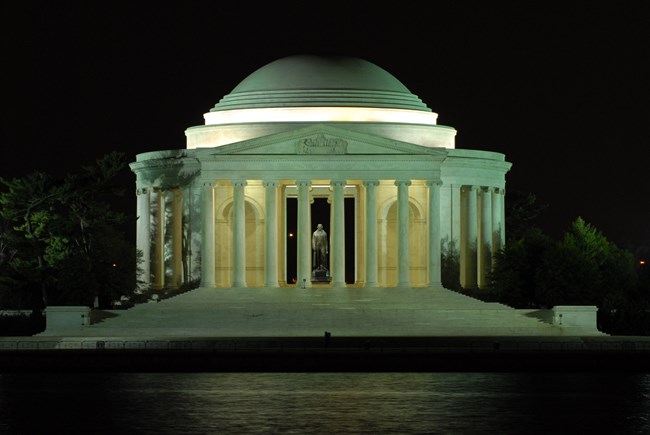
(254,231)
(387,246)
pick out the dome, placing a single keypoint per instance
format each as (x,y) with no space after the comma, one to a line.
(320,81)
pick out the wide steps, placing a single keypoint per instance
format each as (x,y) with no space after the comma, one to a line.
(275,312)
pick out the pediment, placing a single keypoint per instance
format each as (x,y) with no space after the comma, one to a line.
(322,139)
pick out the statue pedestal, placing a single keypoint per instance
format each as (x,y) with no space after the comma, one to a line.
(320,276)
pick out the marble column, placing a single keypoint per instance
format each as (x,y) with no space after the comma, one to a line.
(239,234)
(485,241)
(271,234)
(382,254)
(434,233)
(158,264)
(499,220)
(403,258)
(455,239)
(176,227)
(502,209)
(304,234)
(143,231)
(192,208)
(468,253)
(371,232)
(207,235)
(338,229)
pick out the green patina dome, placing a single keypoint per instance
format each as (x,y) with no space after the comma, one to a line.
(320,81)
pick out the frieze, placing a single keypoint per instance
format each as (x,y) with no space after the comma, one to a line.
(321,145)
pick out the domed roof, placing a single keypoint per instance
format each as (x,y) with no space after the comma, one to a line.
(320,81)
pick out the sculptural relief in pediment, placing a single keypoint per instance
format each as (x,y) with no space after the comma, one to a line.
(321,144)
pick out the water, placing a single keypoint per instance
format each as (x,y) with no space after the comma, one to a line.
(327,403)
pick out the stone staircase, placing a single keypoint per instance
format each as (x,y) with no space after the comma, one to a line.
(296,312)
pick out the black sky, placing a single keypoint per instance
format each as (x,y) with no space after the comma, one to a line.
(561,90)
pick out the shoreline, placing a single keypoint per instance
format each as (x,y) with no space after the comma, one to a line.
(322,354)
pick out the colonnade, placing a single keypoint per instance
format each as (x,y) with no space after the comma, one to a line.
(304,232)
(483,233)
(160,233)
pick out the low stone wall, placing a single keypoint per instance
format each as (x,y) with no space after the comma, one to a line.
(66,317)
(575,316)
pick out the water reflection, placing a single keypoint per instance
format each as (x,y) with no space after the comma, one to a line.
(300,403)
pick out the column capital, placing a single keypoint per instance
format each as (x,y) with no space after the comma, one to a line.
(373,183)
(431,183)
(402,182)
(239,183)
(303,183)
(270,183)
(338,182)
(208,184)
(143,191)
(471,188)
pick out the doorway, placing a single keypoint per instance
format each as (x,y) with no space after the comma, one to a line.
(320,214)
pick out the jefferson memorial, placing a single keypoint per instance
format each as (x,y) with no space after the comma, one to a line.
(309,142)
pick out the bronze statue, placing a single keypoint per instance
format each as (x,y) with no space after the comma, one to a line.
(319,245)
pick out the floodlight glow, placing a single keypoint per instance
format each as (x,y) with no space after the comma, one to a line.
(320,114)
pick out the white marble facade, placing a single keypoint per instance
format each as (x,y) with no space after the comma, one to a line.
(216,212)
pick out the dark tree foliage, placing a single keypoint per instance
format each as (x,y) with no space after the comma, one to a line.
(26,205)
(450,266)
(521,211)
(583,268)
(632,316)
(62,242)
(515,274)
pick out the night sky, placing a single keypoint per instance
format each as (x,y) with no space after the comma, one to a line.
(562,91)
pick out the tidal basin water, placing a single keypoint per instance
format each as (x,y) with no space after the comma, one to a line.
(327,403)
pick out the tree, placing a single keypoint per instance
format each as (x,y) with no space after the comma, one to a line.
(26,210)
(521,211)
(450,265)
(584,268)
(587,269)
(66,237)
(515,275)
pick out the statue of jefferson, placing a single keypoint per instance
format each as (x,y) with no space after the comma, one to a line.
(319,245)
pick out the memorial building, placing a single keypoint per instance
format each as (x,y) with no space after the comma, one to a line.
(336,144)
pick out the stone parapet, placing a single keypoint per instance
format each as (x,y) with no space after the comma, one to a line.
(573,316)
(65,317)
